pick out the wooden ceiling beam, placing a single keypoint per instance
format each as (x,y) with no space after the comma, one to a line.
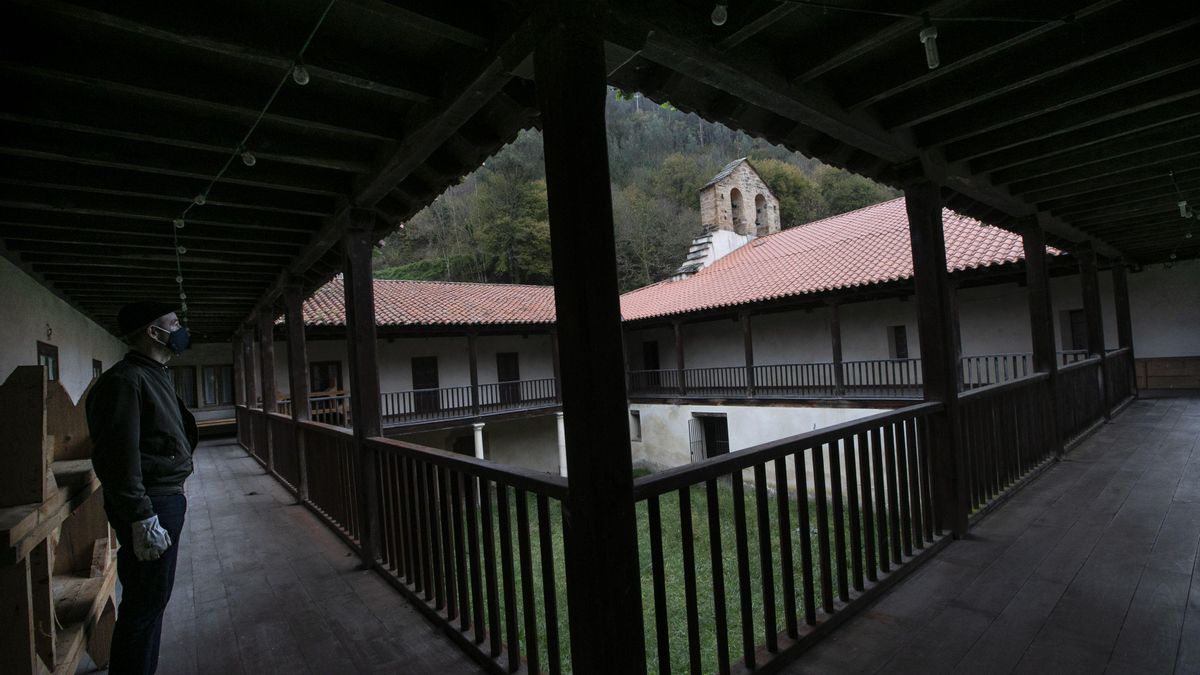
(137,248)
(90,256)
(1163,91)
(1104,199)
(422,21)
(174,189)
(863,93)
(1134,145)
(1182,153)
(198,239)
(1102,79)
(860,48)
(239,48)
(214,96)
(1123,34)
(1102,185)
(755,26)
(1087,137)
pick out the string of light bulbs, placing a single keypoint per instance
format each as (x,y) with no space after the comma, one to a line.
(297,73)
(928,34)
(1186,212)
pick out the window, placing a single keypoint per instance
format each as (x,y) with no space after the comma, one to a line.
(898,342)
(635,425)
(48,356)
(97,368)
(184,379)
(325,375)
(217,385)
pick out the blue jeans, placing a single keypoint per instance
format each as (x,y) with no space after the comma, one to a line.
(145,591)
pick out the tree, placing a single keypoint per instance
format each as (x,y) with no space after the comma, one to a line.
(800,201)
(844,191)
(514,229)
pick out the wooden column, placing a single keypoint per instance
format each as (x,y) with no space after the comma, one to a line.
(748,343)
(835,334)
(239,372)
(557,366)
(266,366)
(248,363)
(1124,318)
(924,204)
(602,568)
(293,299)
(677,326)
(473,362)
(364,375)
(1089,281)
(956,327)
(1041,319)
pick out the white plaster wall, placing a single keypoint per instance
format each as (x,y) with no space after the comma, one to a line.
(665,337)
(1165,306)
(29,311)
(792,337)
(712,344)
(993,320)
(864,328)
(664,441)
(531,443)
(395,361)
(535,355)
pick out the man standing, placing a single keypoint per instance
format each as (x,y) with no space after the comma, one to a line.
(143,437)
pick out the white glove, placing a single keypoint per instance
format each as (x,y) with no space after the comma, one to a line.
(150,540)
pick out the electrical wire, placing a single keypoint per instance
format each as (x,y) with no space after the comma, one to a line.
(903,15)
(202,197)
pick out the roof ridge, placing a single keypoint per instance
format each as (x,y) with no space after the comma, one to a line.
(464,283)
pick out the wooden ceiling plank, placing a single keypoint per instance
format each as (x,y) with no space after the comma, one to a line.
(1184,153)
(422,22)
(755,26)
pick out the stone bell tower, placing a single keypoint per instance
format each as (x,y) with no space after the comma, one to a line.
(737,200)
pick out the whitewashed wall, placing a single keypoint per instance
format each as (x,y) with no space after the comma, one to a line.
(32,313)
(864,328)
(792,337)
(530,442)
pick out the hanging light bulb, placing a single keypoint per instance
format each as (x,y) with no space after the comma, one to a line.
(929,38)
(1188,235)
(183,296)
(720,14)
(178,222)
(300,74)
(200,199)
(179,279)
(1173,256)
(1184,212)
(180,250)
(183,308)
(248,158)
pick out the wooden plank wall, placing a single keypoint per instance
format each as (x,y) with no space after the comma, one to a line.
(1177,372)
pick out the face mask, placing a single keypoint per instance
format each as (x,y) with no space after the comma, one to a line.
(177,340)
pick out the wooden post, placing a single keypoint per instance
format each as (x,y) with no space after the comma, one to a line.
(364,375)
(266,366)
(956,345)
(748,343)
(924,205)
(473,362)
(602,568)
(835,334)
(1041,319)
(239,371)
(248,363)
(1124,319)
(1089,282)
(557,367)
(293,299)
(677,325)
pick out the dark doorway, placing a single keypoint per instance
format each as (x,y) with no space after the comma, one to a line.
(508,374)
(425,384)
(1077,329)
(325,376)
(650,355)
(709,435)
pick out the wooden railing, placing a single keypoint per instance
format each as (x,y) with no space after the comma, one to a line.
(759,586)
(724,382)
(989,369)
(795,380)
(245,430)
(1080,399)
(284,456)
(500,396)
(480,544)
(331,410)
(1007,433)
(1119,378)
(332,458)
(654,382)
(882,378)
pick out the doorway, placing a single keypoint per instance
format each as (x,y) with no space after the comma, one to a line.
(708,434)
(425,384)
(508,374)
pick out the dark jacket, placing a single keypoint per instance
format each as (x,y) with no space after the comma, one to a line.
(142,436)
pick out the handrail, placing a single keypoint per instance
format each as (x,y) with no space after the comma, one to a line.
(715,467)
(1002,387)
(547,484)
(327,429)
(1089,361)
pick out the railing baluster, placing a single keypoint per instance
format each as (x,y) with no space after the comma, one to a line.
(472,499)
(881,547)
(506,570)
(447,547)
(687,540)
(716,555)
(489,564)
(846,447)
(658,578)
(457,497)
(902,486)
(743,568)
(787,576)
(532,653)
(868,500)
(818,462)
(839,522)
(804,527)
(549,588)
(889,447)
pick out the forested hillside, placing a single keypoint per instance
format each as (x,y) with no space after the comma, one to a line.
(493,225)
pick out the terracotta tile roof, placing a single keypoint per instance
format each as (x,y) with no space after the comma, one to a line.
(859,248)
(438,303)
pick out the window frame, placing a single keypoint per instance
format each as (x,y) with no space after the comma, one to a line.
(201,384)
(50,352)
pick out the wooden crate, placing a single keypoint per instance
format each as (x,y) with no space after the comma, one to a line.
(57,552)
